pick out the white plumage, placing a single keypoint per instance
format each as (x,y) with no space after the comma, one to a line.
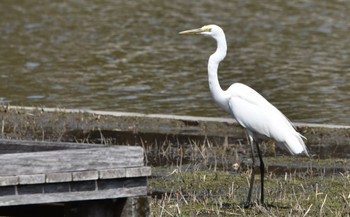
(251,110)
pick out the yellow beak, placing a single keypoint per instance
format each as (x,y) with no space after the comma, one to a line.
(192,32)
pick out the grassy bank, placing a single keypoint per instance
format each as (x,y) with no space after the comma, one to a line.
(201,167)
(187,191)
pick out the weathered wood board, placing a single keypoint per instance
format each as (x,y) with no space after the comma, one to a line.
(70,173)
(60,161)
(8,146)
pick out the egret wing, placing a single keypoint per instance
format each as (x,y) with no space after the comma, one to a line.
(256,114)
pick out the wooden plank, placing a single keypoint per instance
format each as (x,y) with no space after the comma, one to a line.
(72,191)
(59,177)
(36,198)
(31,179)
(18,146)
(138,171)
(125,172)
(112,173)
(85,175)
(70,160)
(9,180)
(129,172)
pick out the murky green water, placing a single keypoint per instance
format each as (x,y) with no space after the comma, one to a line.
(128,56)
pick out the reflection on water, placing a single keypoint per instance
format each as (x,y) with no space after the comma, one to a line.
(128,56)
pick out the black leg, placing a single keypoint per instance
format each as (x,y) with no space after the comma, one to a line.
(262,172)
(251,182)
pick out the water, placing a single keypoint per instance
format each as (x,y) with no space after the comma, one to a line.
(128,56)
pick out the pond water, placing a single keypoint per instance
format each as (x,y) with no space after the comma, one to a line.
(127,55)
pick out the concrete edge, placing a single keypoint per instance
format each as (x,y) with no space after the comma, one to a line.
(165,116)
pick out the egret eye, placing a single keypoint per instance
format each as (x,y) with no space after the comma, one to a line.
(206,29)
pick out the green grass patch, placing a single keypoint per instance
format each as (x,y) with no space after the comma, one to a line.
(209,193)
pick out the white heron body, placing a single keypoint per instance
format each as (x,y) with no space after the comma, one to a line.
(251,110)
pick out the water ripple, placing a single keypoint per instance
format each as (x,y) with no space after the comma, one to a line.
(128,56)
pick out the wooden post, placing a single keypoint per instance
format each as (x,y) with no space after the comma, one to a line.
(136,207)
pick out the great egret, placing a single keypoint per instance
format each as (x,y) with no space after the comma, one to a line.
(251,110)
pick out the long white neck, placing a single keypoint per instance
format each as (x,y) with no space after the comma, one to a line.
(218,94)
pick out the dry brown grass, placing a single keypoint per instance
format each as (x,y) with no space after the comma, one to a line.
(214,182)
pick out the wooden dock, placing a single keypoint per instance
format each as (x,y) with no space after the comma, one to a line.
(82,179)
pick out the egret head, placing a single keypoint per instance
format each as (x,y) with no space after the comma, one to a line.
(208,30)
